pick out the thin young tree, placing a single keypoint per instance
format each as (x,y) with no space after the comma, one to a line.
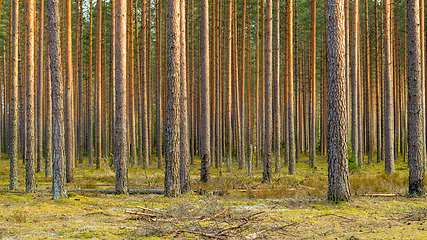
(416,143)
(14,98)
(144,89)
(266,176)
(98,76)
(172,138)
(58,131)
(338,175)
(30,155)
(121,145)
(205,101)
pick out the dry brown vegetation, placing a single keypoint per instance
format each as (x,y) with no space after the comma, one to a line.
(292,207)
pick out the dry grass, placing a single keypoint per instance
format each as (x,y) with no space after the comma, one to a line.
(301,212)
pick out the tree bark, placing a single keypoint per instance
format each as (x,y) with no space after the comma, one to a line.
(388,93)
(338,175)
(205,101)
(121,145)
(172,187)
(313,97)
(266,176)
(69,93)
(58,140)
(14,98)
(415,108)
(30,155)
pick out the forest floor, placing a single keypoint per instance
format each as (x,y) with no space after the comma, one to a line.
(292,207)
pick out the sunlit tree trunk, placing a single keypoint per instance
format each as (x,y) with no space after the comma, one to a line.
(121,145)
(30,155)
(14,97)
(159,85)
(69,93)
(89,89)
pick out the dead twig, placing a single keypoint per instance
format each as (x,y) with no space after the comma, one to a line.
(332,214)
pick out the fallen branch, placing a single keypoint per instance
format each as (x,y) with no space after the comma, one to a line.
(255,214)
(332,214)
(382,195)
(110,191)
(201,234)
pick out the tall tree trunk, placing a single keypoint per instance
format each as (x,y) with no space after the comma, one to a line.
(291,116)
(276,88)
(228,93)
(40,89)
(89,89)
(14,103)
(355,83)
(369,115)
(144,89)
(416,143)
(184,141)
(30,155)
(388,93)
(313,97)
(159,85)
(205,103)
(58,131)
(121,145)
(69,93)
(172,187)
(378,90)
(266,176)
(338,175)
(98,76)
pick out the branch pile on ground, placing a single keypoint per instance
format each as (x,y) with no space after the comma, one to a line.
(209,222)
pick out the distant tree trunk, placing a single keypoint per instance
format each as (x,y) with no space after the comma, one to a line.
(40,89)
(98,76)
(313,97)
(228,93)
(266,176)
(14,103)
(205,103)
(48,159)
(338,175)
(89,89)
(378,85)
(58,141)
(276,88)
(184,141)
(172,138)
(121,145)
(415,108)
(369,115)
(144,92)
(113,80)
(69,93)
(30,155)
(80,130)
(355,83)
(388,93)
(291,103)
(159,118)
(130,78)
